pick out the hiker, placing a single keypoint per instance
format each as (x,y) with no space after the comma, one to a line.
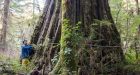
(26,52)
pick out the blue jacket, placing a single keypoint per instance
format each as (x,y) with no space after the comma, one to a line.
(26,51)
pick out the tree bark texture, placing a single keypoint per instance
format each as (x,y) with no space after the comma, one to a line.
(100,44)
(5,21)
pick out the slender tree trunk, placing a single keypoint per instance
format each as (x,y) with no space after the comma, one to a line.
(5,20)
(138,32)
(137,6)
(38,6)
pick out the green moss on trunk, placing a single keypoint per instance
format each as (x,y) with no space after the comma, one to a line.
(66,63)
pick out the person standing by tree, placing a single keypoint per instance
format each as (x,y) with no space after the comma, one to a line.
(26,52)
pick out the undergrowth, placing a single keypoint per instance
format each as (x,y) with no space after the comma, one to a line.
(15,65)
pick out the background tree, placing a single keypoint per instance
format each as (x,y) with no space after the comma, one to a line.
(5,21)
(127,22)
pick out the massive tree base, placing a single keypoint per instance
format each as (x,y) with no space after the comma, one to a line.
(76,37)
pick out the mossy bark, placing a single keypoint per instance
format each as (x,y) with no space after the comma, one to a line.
(66,64)
(100,46)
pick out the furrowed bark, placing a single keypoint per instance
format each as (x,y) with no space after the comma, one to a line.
(100,44)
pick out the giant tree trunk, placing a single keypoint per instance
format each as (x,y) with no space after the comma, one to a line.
(89,40)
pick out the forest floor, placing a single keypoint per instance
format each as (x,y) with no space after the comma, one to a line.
(10,65)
